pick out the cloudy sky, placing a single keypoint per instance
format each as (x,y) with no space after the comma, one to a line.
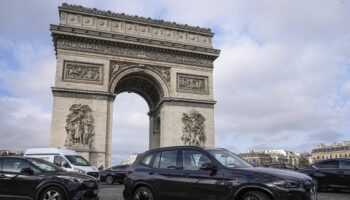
(282,79)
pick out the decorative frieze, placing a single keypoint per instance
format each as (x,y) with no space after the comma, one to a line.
(79,126)
(117,66)
(133,25)
(82,72)
(193,129)
(192,83)
(111,48)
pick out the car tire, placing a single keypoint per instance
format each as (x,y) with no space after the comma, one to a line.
(143,193)
(52,193)
(255,195)
(109,180)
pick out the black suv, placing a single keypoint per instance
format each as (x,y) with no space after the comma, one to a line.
(194,173)
(36,179)
(331,174)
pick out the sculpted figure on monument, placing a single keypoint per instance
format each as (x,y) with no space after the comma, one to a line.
(80,126)
(193,129)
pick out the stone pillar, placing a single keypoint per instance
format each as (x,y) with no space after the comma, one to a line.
(98,153)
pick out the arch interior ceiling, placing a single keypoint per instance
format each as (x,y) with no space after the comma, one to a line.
(141,85)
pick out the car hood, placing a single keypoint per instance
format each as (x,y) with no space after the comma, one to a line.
(277,173)
(75,175)
(87,168)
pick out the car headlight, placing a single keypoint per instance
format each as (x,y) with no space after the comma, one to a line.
(286,184)
(74,179)
(79,170)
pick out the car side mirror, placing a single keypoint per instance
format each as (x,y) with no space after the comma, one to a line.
(27,171)
(208,166)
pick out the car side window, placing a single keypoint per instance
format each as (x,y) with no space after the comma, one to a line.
(166,160)
(193,160)
(290,167)
(156,161)
(328,164)
(147,159)
(57,160)
(14,165)
(345,164)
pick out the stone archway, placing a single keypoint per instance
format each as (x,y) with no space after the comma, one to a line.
(102,54)
(149,83)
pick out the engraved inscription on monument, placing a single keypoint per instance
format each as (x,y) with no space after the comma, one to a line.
(192,83)
(82,72)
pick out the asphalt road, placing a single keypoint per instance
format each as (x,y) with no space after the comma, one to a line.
(114,192)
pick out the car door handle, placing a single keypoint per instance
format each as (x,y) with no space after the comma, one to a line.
(186,174)
(150,173)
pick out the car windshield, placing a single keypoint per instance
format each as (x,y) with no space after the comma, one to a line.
(229,159)
(44,165)
(77,160)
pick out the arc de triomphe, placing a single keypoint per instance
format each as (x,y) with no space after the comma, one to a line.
(101,54)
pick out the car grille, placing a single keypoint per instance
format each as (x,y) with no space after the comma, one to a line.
(94,174)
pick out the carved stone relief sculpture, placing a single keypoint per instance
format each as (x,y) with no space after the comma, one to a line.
(117,66)
(82,72)
(164,72)
(193,129)
(79,126)
(192,83)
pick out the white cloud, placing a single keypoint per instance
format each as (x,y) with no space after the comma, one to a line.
(23,124)
(281,79)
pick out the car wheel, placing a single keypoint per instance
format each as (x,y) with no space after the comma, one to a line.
(255,195)
(143,193)
(52,193)
(109,180)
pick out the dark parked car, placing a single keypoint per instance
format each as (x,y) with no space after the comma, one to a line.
(331,173)
(282,166)
(114,174)
(193,173)
(36,179)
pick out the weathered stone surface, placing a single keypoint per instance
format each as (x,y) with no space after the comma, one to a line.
(102,54)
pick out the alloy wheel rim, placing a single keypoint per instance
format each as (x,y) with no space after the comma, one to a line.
(143,195)
(52,195)
(251,197)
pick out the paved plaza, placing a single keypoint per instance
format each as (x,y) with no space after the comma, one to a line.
(114,192)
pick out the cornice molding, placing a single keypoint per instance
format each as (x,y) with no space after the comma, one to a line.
(84,94)
(59,29)
(136,18)
(98,46)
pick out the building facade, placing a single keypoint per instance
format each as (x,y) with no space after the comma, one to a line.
(262,157)
(336,150)
(257,159)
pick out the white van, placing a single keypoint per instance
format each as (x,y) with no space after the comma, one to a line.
(67,159)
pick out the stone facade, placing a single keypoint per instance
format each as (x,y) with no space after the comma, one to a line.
(336,150)
(101,54)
